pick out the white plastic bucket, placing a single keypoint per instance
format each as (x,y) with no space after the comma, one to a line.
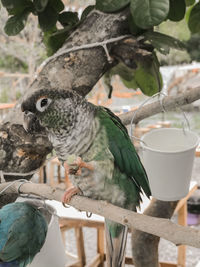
(168,156)
(52,254)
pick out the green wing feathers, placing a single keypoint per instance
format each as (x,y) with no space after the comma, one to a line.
(120,145)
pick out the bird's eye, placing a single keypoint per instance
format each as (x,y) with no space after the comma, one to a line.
(43,103)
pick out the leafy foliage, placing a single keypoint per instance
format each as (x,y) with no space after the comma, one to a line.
(111,5)
(40,5)
(47,18)
(54,39)
(16,23)
(194,21)
(57,24)
(145,76)
(68,18)
(189,2)
(16,7)
(134,29)
(148,13)
(177,10)
(193,47)
(163,42)
(49,13)
(86,11)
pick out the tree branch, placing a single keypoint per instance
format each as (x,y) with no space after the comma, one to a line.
(144,245)
(164,228)
(78,70)
(168,103)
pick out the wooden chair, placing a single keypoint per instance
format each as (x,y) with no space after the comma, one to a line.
(78,224)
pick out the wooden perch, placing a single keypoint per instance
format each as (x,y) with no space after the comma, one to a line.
(168,103)
(164,228)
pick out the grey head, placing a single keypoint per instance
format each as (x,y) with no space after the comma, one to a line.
(66,116)
(53,109)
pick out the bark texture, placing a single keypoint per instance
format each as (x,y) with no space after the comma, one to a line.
(157,226)
(144,245)
(21,152)
(168,103)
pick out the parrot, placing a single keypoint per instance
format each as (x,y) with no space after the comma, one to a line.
(23,231)
(96,150)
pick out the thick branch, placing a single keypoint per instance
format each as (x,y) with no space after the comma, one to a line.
(168,103)
(144,245)
(81,69)
(78,70)
(160,227)
(21,152)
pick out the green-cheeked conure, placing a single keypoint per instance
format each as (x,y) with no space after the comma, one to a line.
(95,147)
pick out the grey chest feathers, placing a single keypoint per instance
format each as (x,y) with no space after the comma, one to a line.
(92,147)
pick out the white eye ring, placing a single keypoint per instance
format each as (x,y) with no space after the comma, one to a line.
(43,103)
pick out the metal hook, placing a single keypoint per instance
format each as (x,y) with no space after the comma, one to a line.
(88,214)
(18,189)
(161,100)
(164,110)
(134,114)
(65,205)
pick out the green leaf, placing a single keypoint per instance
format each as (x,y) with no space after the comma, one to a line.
(148,13)
(189,2)
(54,39)
(177,10)
(130,84)
(40,5)
(123,71)
(187,15)
(86,11)
(134,29)
(111,5)
(194,19)
(148,77)
(48,18)
(15,7)
(68,18)
(146,81)
(163,42)
(57,5)
(15,24)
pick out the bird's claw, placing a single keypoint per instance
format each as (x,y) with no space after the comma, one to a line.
(69,193)
(75,168)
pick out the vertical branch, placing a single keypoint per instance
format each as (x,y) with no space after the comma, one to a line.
(144,245)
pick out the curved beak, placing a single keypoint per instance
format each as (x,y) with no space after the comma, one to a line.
(30,123)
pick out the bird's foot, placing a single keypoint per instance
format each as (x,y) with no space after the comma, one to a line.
(75,168)
(69,193)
